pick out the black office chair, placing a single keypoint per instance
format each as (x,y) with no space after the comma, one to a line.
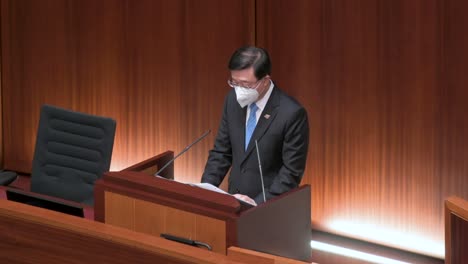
(72,151)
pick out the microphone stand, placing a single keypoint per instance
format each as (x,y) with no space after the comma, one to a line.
(183,151)
(260,168)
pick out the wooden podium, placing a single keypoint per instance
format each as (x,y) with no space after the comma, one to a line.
(152,205)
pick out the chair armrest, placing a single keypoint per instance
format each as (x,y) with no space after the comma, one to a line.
(48,202)
(7,177)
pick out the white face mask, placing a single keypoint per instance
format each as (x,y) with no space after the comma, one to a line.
(245,96)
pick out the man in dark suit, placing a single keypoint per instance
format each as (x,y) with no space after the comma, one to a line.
(256,109)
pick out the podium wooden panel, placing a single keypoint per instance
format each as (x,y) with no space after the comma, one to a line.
(152,205)
(126,212)
(456,231)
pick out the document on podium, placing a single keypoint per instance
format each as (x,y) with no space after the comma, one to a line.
(211,187)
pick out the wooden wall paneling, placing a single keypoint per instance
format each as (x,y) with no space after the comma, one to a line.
(453,126)
(28,72)
(65,53)
(157,67)
(410,203)
(213,30)
(292,39)
(99,74)
(155,79)
(382,82)
(177,75)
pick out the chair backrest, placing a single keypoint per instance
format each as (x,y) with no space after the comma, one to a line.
(72,151)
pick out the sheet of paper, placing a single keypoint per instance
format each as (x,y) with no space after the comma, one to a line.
(208,186)
(211,187)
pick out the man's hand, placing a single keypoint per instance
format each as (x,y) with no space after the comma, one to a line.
(245,198)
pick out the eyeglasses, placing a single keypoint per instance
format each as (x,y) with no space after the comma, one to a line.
(244,84)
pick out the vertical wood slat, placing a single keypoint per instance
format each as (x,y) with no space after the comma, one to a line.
(120,211)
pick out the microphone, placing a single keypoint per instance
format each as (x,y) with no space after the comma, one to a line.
(260,169)
(183,151)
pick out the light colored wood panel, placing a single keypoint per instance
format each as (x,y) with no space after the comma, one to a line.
(213,231)
(180,223)
(155,219)
(119,210)
(149,217)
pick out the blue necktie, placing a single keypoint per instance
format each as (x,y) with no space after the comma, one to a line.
(251,123)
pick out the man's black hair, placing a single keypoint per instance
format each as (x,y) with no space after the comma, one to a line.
(250,56)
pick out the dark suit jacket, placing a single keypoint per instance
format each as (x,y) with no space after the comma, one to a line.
(282,133)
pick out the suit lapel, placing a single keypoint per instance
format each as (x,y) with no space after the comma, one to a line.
(265,120)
